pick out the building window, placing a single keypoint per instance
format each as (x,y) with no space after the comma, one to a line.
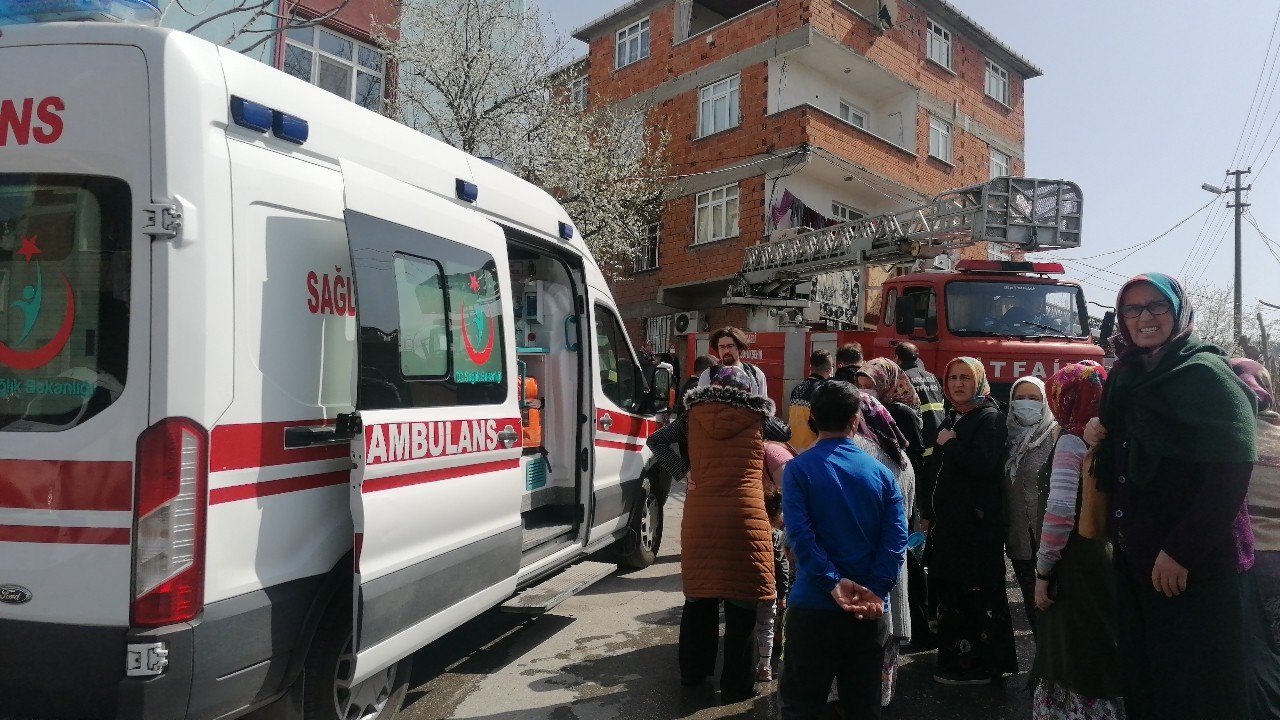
(646,255)
(844,213)
(657,330)
(939,138)
(853,114)
(997,83)
(716,214)
(1001,164)
(578,93)
(343,66)
(633,43)
(718,106)
(939,44)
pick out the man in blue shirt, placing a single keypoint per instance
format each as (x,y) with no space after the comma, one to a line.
(848,529)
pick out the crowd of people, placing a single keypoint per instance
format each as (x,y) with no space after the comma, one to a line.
(1139,508)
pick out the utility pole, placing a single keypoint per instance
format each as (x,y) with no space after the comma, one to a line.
(1239,208)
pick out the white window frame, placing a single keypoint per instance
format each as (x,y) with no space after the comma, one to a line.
(353,64)
(845,213)
(722,201)
(578,92)
(646,255)
(1001,163)
(632,44)
(937,43)
(729,91)
(997,83)
(847,111)
(939,138)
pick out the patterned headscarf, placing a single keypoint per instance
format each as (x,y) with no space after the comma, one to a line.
(1183,314)
(875,422)
(982,388)
(1073,394)
(892,385)
(1257,379)
(1022,437)
(732,376)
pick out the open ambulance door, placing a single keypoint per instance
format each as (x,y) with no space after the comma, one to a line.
(436,484)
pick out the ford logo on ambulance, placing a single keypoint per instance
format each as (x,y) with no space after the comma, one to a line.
(14,594)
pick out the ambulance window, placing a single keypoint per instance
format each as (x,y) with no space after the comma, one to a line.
(64,298)
(424,319)
(620,377)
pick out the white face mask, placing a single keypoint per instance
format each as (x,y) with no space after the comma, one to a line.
(869,391)
(1027,412)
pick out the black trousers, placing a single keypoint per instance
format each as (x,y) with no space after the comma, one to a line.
(1025,572)
(699,637)
(1181,657)
(822,645)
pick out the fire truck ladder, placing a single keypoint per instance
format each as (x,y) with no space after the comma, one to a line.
(1025,213)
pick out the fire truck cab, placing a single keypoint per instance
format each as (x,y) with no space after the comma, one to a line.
(1017,317)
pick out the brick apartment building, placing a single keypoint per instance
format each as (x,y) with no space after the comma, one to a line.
(797,113)
(339,54)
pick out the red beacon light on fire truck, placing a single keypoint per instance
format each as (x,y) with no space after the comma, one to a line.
(27,12)
(1008,266)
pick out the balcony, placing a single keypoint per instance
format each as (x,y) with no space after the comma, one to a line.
(846,85)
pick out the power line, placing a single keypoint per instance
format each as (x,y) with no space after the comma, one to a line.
(1257,85)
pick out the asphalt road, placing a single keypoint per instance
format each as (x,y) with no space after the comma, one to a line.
(610,652)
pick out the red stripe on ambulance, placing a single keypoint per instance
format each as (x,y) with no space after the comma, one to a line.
(218,496)
(614,445)
(255,445)
(429,476)
(624,424)
(399,442)
(66,485)
(64,535)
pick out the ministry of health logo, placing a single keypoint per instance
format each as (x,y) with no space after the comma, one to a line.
(30,305)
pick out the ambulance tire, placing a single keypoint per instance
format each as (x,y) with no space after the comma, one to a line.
(639,547)
(325,697)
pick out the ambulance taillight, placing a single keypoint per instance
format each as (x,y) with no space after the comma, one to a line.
(169,523)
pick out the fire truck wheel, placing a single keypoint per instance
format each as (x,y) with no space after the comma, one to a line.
(328,691)
(639,547)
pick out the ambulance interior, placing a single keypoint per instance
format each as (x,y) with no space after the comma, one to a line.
(548,349)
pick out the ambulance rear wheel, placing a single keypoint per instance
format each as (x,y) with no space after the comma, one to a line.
(639,547)
(329,693)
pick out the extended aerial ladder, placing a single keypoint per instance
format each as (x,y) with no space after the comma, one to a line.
(1024,213)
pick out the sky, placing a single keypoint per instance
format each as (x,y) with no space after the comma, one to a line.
(1141,102)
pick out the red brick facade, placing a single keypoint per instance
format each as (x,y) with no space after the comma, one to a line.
(744,44)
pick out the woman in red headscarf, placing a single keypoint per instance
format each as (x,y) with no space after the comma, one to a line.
(1076,672)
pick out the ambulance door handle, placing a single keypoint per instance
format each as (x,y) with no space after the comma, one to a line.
(606,422)
(508,436)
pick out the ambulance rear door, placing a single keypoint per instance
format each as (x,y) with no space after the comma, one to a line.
(436,482)
(74,338)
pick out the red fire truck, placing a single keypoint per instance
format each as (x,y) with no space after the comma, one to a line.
(1019,318)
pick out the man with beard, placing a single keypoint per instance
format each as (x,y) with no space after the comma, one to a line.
(728,344)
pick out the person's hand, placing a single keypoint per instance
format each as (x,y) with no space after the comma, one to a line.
(854,598)
(1168,576)
(924,525)
(1094,433)
(1043,601)
(945,435)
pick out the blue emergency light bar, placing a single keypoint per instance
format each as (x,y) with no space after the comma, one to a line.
(27,12)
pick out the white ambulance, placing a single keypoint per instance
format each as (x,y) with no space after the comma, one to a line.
(287,389)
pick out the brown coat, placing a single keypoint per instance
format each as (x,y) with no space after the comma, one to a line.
(725,538)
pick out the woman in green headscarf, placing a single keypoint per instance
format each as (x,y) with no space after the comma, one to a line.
(1175,450)
(975,629)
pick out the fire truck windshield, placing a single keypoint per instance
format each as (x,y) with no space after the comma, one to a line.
(1012,309)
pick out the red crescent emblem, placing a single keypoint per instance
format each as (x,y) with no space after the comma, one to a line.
(40,356)
(478,357)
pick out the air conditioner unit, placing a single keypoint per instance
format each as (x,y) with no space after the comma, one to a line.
(688,322)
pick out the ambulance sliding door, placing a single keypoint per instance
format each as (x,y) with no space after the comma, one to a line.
(436,482)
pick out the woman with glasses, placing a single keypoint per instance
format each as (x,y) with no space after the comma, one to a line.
(1175,437)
